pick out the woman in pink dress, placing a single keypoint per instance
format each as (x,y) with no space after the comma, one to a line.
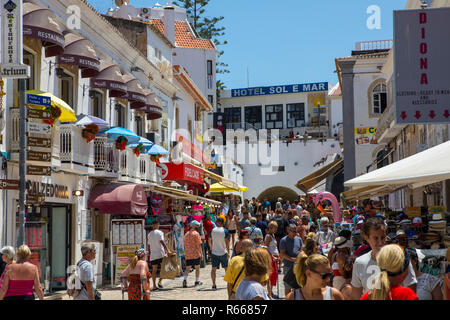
(21,278)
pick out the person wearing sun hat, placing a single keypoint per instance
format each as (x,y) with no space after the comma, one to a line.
(342,250)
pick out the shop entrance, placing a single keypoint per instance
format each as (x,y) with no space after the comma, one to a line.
(59,246)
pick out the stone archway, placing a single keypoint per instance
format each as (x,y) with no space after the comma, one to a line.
(273,193)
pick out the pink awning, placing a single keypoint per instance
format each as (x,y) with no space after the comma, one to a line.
(120,199)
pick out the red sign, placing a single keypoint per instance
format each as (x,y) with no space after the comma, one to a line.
(182,172)
(191,150)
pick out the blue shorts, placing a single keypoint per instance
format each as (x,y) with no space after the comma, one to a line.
(216,261)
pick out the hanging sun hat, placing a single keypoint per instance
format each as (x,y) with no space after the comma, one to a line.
(417,222)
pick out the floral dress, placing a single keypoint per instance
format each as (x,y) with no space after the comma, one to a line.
(134,286)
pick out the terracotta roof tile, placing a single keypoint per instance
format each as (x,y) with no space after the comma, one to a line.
(184,37)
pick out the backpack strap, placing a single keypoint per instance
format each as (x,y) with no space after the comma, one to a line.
(235,281)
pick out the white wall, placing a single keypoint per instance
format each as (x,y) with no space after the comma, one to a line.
(361,84)
(195,62)
(297,158)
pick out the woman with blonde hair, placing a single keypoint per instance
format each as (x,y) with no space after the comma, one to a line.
(313,273)
(20,278)
(394,265)
(136,277)
(257,265)
(311,246)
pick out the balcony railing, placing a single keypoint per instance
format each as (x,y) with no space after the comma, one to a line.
(77,155)
(373,45)
(129,166)
(106,158)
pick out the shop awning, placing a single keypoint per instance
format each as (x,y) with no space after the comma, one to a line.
(119,199)
(220,188)
(40,23)
(182,173)
(80,52)
(152,106)
(174,193)
(222,180)
(135,92)
(110,78)
(427,167)
(67,113)
(367,192)
(210,201)
(309,182)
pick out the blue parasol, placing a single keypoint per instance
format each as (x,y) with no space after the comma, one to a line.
(157,149)
(116,132)
(145,142)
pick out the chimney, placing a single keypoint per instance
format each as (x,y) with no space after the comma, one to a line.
(169,23)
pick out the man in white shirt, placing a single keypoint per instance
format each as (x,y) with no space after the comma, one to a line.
(86,273)
(158,249)
(219,253)
(365,268)
(325,235)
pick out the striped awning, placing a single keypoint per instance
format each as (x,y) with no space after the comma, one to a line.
(309,182)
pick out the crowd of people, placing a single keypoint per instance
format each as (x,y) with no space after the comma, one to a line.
(259,247)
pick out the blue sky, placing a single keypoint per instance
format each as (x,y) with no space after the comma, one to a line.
(289,41)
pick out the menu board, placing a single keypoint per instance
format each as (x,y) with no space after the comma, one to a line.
(123,258)
(127,232)
(138,232)
(130,231)
(116,233)
(123,233)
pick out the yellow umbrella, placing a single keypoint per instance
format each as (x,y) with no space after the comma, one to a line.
(217,187)
(67,113)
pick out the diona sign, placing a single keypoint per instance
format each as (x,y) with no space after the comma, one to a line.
(318,198)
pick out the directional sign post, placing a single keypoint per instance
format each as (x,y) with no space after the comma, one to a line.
(39,171)
(41,128)
(39,142)
(9,184)
(39,156)
(38,114)
(38,100)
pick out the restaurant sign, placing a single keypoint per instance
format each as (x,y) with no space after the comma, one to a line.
(12,41)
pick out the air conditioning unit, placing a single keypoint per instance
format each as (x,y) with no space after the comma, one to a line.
(154,137)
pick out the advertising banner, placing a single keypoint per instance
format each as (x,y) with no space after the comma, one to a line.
(123,258)
(365,135)
(421,66)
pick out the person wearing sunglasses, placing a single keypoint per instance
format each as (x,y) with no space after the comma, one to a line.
(313,274)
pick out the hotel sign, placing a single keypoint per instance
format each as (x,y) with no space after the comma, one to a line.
(12,41)
(294,88)
(421,66)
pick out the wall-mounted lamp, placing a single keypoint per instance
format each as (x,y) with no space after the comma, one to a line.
(78,193)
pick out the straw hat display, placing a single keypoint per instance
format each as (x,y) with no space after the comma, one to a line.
(437,223)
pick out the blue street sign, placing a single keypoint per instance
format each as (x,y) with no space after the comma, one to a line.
(36,100)
(293,88)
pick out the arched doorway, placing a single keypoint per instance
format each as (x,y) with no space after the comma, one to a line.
(272,194)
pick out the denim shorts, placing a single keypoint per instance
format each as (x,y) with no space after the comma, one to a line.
(216,261)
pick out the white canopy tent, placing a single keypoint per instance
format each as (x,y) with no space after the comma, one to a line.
(424,168)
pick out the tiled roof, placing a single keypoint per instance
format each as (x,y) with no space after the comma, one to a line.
(184,38)
(335,91)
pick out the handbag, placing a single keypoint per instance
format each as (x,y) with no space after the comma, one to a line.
(97,295)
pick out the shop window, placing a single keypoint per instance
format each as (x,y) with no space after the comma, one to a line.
(274,116)
(253,117)
(29,59)
(98,109)
(120,116)
(66,87)
(139,126)
(232,118)
(295,115)
(379,102)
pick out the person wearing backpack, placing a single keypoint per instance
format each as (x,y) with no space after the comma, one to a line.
(86,274)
